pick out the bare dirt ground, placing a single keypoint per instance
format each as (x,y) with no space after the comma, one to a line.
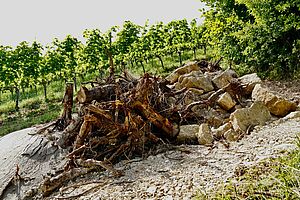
(186,170)
(177,173)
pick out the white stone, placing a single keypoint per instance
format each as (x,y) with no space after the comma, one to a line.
(219,132)
(249,80)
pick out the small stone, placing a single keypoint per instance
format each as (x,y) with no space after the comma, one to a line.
(187,134)
(196,80)
(249,80)
(189,67)
(231,135)
(152,189)
(196,91)
(204,135)
(219,132)
(226,102)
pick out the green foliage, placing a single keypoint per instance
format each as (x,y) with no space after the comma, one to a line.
(263,35)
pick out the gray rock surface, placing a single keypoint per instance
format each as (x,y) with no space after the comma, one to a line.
(226,102)
(187,134)
(189,67)
(35,156)
(224,78)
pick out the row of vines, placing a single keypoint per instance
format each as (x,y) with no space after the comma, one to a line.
(29,65)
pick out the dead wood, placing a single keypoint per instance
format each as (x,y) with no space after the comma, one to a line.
(68,104)
(170,130)
(51,184)
(100,93)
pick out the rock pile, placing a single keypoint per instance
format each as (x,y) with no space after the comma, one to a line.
(234,104)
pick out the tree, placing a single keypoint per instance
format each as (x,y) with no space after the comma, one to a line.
(100,47)
(156,37)
(264,35)
(68,49)
(126,37)
(179,36)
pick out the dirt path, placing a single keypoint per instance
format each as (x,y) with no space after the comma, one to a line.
(180,173)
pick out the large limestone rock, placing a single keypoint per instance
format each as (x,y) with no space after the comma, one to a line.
(189,67)
(224,78)
(257,114)
(250,80)
(196,80)
(277,105)
(205,135)
(35,155)
(226,102)
(187,134)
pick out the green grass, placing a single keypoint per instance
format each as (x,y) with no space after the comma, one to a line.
(271,179)
(170,63)
(33,108)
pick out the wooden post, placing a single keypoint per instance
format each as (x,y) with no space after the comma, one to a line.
(68,104)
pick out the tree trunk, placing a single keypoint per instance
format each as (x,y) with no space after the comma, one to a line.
(180,57)
(161,62)
(12,93)
(111,78)
(35,90)
(17,98)
(45,90)
(195,53)
(170,129)
(131,62)
(68,104)
(102,93)
(23,90)
(152,62)
(75,82)
(143,67)
(204,49)
(123,66)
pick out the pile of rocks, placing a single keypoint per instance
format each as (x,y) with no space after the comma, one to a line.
(232,112)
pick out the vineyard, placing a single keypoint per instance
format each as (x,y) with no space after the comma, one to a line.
(29,65)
